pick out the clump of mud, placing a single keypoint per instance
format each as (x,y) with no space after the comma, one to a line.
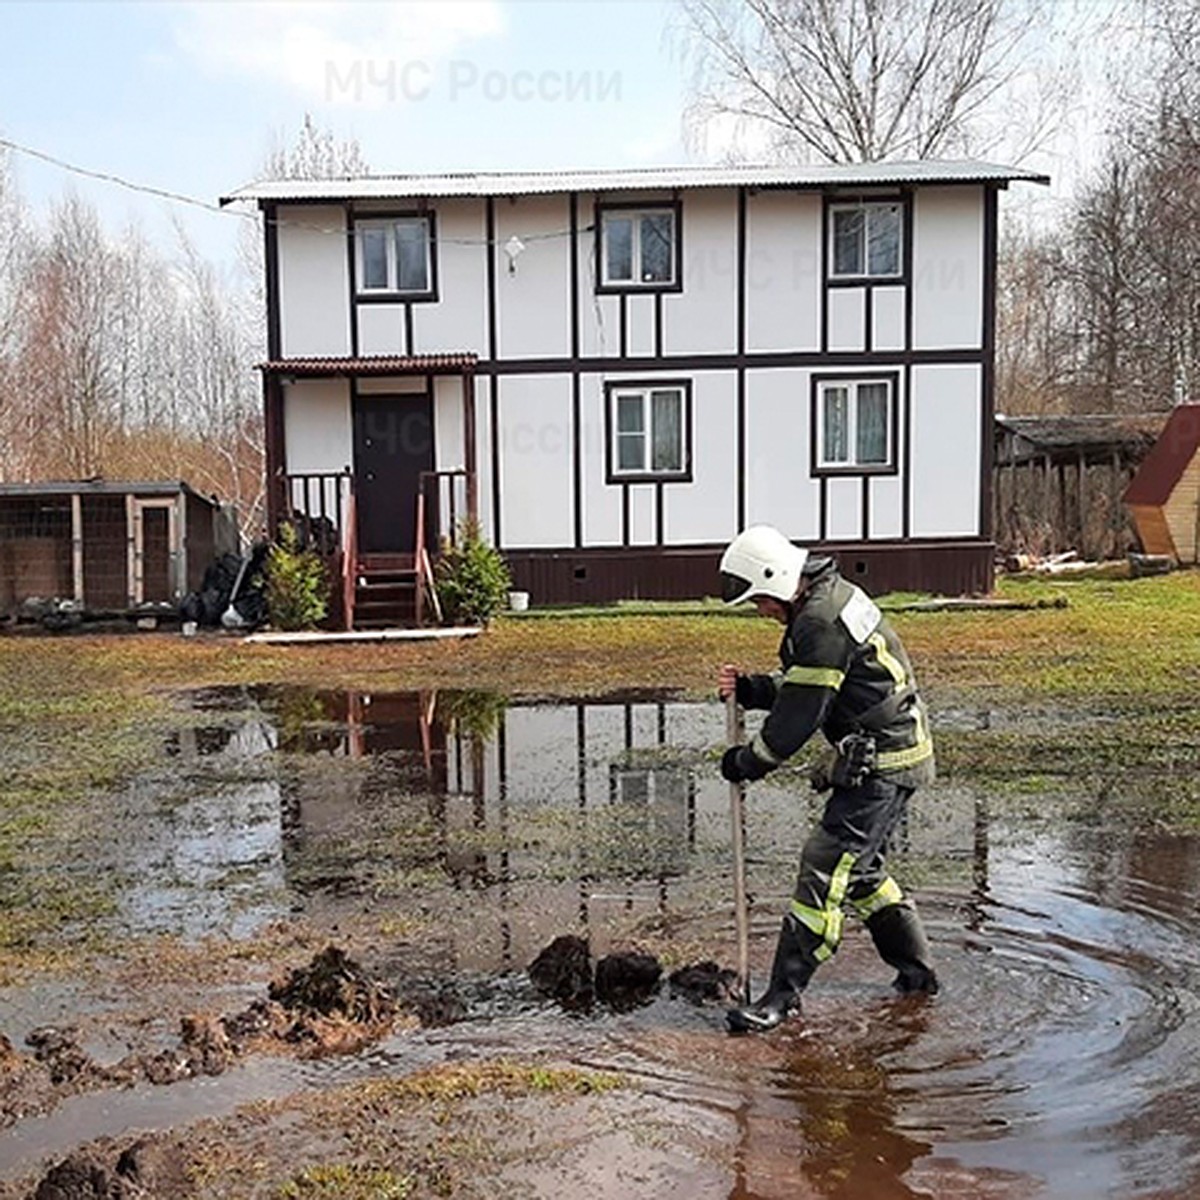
(563,971)
(330,1006)
(333,1005)
(150,1167)
(705,982)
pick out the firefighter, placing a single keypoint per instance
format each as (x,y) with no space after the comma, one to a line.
(845,673)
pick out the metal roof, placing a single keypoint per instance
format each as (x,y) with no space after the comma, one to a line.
(104,487)
(525,183)
(1075,431)
(376,364)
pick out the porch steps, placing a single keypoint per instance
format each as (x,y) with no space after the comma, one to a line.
(385,592)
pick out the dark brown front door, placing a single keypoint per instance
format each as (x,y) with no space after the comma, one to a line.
(393,444)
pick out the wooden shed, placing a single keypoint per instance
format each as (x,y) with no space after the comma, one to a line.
(109,547)
(1059,478)
(1164,495)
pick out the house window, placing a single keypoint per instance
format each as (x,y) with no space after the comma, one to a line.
(865,240)
(395,256)
(650,431)
(855,425)
(639,248)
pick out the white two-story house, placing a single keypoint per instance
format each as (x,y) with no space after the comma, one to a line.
(617,371)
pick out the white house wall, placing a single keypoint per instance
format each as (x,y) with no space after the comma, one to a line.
(314,312)
(534,301)
(535,461)
(946,448)
(448,432)
(887,508)
(779,487)
(947,260)
(381,329)
(704,314)
(783,271)
(601,501)
(705,509)
(847,320)
(458,322)
(319,435)
(888,307)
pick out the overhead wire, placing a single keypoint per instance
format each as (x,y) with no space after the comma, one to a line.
(222,210)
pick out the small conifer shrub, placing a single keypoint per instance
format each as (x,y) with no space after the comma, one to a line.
(472,578)
(297,587)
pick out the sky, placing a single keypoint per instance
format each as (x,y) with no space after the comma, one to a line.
(190,97)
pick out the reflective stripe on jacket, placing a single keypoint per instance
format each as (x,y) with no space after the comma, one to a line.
(843,670)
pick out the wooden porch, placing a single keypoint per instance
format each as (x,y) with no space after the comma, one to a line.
(377,590)
(378,581)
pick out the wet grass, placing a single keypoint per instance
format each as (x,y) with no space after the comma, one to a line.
(397,1136)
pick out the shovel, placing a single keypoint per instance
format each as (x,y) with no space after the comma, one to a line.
(737,795)
(231,618)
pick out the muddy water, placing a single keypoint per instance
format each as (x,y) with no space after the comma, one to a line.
(1062,1059)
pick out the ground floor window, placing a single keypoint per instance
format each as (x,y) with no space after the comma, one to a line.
(854,424)
(649,426)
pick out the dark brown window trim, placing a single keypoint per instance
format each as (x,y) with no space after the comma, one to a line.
(632,288)
(854,470)
(613,476)
(904,199)
(429,296)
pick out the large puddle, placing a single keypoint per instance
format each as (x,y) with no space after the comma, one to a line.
(1061,1060)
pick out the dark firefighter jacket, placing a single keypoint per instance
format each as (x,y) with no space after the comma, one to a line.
(843,671)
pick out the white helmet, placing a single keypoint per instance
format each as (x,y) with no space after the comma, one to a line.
(760,561)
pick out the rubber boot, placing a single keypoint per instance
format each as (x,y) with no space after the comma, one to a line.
(790,972)
(900,939)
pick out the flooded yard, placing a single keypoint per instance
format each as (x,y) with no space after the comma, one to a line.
(443,838)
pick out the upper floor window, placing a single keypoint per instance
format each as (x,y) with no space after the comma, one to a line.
(639,248)
(865,240)
(855,424)
(650,431)
(395,255)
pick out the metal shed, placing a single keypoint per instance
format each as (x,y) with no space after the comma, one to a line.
(109,547)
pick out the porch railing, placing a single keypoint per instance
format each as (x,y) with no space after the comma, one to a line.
(446,495)
(323,508)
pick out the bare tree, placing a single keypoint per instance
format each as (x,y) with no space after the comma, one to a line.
(9,242)
(1036,346)
(867,80)
(315,154)
(217,345)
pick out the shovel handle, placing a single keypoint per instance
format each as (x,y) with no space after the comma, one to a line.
(734,731)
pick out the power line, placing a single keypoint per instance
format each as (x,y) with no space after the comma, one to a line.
(279,223)
(117,180)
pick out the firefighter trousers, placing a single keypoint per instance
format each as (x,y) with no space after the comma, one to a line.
(843,867)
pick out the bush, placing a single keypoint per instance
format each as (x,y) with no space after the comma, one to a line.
(296,585)
(472,579)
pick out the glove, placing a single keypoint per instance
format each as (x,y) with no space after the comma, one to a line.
(739,764)
(729,765)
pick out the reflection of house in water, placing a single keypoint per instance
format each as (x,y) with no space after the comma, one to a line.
(539,810)
(553,816)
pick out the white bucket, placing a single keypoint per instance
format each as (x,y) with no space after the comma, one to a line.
(518,601)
